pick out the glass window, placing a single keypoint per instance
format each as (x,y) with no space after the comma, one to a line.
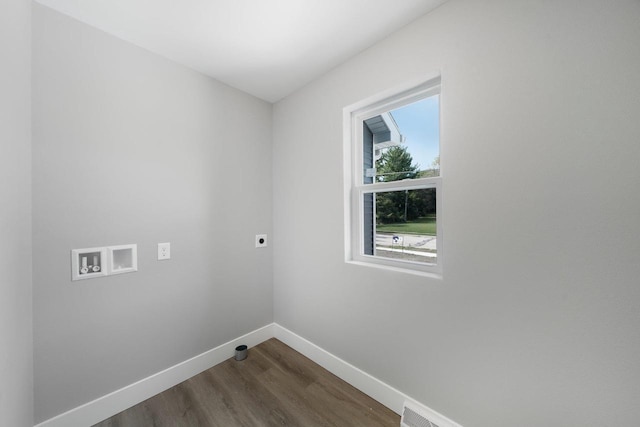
(396,181)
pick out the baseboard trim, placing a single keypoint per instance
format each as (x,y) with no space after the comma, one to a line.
(383,393)
(369,385)
(106,406)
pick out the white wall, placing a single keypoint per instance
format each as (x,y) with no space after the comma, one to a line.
(132,148)
(16,337)
(536,319)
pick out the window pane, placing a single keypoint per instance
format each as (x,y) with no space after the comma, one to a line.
(405,225)
(403,143)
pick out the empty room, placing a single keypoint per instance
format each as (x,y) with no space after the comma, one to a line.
(320,213)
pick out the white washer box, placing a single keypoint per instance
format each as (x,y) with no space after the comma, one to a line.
(89,263)
(123,259)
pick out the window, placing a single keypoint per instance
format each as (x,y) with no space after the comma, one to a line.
(393,191)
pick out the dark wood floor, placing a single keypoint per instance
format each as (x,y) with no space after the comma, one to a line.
(274,386)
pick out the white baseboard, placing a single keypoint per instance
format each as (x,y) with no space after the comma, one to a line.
(106,406)
(383,393)
(369,385)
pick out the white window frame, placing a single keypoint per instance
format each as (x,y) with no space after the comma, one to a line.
(355,188)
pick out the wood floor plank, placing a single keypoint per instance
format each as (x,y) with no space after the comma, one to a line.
(274,386)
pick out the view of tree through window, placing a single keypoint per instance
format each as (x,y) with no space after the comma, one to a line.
(402,146)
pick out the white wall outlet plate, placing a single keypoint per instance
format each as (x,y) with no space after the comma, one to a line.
(261,240)
(164,251)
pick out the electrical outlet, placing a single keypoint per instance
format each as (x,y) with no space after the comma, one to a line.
(164,251)
(261,240)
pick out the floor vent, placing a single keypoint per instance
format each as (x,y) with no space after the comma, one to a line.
(414,415)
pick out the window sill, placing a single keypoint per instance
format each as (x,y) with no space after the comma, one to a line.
(429,274)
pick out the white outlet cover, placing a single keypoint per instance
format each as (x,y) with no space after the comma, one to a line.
(261,240)
(164,251)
